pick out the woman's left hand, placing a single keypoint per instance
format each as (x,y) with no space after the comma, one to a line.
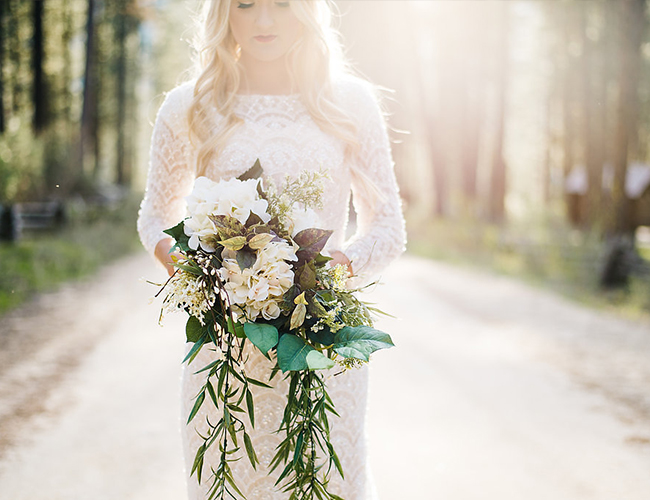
(342,259)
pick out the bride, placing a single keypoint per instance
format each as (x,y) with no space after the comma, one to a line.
(271,83)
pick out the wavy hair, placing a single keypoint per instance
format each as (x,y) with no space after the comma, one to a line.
(312,63)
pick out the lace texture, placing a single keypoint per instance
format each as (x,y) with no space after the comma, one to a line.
(279,131)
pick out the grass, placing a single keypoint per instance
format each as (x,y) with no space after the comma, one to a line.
(39,263)
(544,253)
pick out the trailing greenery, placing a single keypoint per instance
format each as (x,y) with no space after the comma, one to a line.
(247,273)
(40,262)
(546,253)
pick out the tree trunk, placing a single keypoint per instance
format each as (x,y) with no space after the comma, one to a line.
(39,91)
(3,38)
(89,108)
(498,178)
(123,168)
(631,29)
(590,141)
(571,202)
(14,49)
(67,64)
(473,83)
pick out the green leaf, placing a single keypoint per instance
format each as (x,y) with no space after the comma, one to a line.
(178,233)
(191,269)
(318,361)
(197,405)
(292,353)
(360,342)
(298,451)
(251,407)
(194,351)
(255,172)
(258,383)
(194,330)
(197,466)
(262,335)
(321,260)
(324,337)
(236,328)
(250,451)
(246,258)
(305,276)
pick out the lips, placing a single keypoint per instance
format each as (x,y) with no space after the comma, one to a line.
(265,38)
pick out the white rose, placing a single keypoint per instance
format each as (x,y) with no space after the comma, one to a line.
(304,219)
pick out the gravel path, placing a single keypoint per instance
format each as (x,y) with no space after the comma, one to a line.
(496,391)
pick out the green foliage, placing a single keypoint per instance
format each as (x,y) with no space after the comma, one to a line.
(39,263)
(308,313)
(360,342)
(263,336)
(544,252)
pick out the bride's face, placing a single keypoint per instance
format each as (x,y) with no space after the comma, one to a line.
(264,29)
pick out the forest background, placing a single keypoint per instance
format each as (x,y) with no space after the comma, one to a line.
(521,131)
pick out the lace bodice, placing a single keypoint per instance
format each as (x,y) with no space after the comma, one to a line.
(279,131)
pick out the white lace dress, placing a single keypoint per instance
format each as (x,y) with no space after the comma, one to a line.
(280,132)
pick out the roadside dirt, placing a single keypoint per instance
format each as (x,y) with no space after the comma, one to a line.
(495,391)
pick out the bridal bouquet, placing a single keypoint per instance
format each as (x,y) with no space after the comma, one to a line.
(252,271)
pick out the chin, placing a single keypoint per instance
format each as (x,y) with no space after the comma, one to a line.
(269,55)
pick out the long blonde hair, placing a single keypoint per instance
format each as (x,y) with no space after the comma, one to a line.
(312,62)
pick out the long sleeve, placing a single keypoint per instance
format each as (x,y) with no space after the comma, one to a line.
(171,174)
(380,235)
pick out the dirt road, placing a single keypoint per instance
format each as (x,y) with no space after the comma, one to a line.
(496,392)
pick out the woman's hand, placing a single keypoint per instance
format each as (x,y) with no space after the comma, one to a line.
(162,254)
(340,258)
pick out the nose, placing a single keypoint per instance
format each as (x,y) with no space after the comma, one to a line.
(265,16)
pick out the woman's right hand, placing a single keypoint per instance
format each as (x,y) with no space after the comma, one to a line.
(162,254)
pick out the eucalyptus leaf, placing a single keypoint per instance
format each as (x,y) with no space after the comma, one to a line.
(318,361)
(194,330)
(262,335)
(360,342)
(292,353)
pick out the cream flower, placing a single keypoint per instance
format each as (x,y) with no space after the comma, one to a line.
(304,219)
(235,198)
(259,289)
(185,291)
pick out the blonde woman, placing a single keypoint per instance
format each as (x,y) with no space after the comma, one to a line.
(272,84)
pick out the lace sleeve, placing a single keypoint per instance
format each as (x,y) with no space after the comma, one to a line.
(380,235)
(170,175)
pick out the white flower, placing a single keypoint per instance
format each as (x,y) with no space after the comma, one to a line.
(304,219)
(185,290)
(258,290)
(235,198)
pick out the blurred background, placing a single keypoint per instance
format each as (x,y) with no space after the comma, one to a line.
(520,131)
(521,134)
